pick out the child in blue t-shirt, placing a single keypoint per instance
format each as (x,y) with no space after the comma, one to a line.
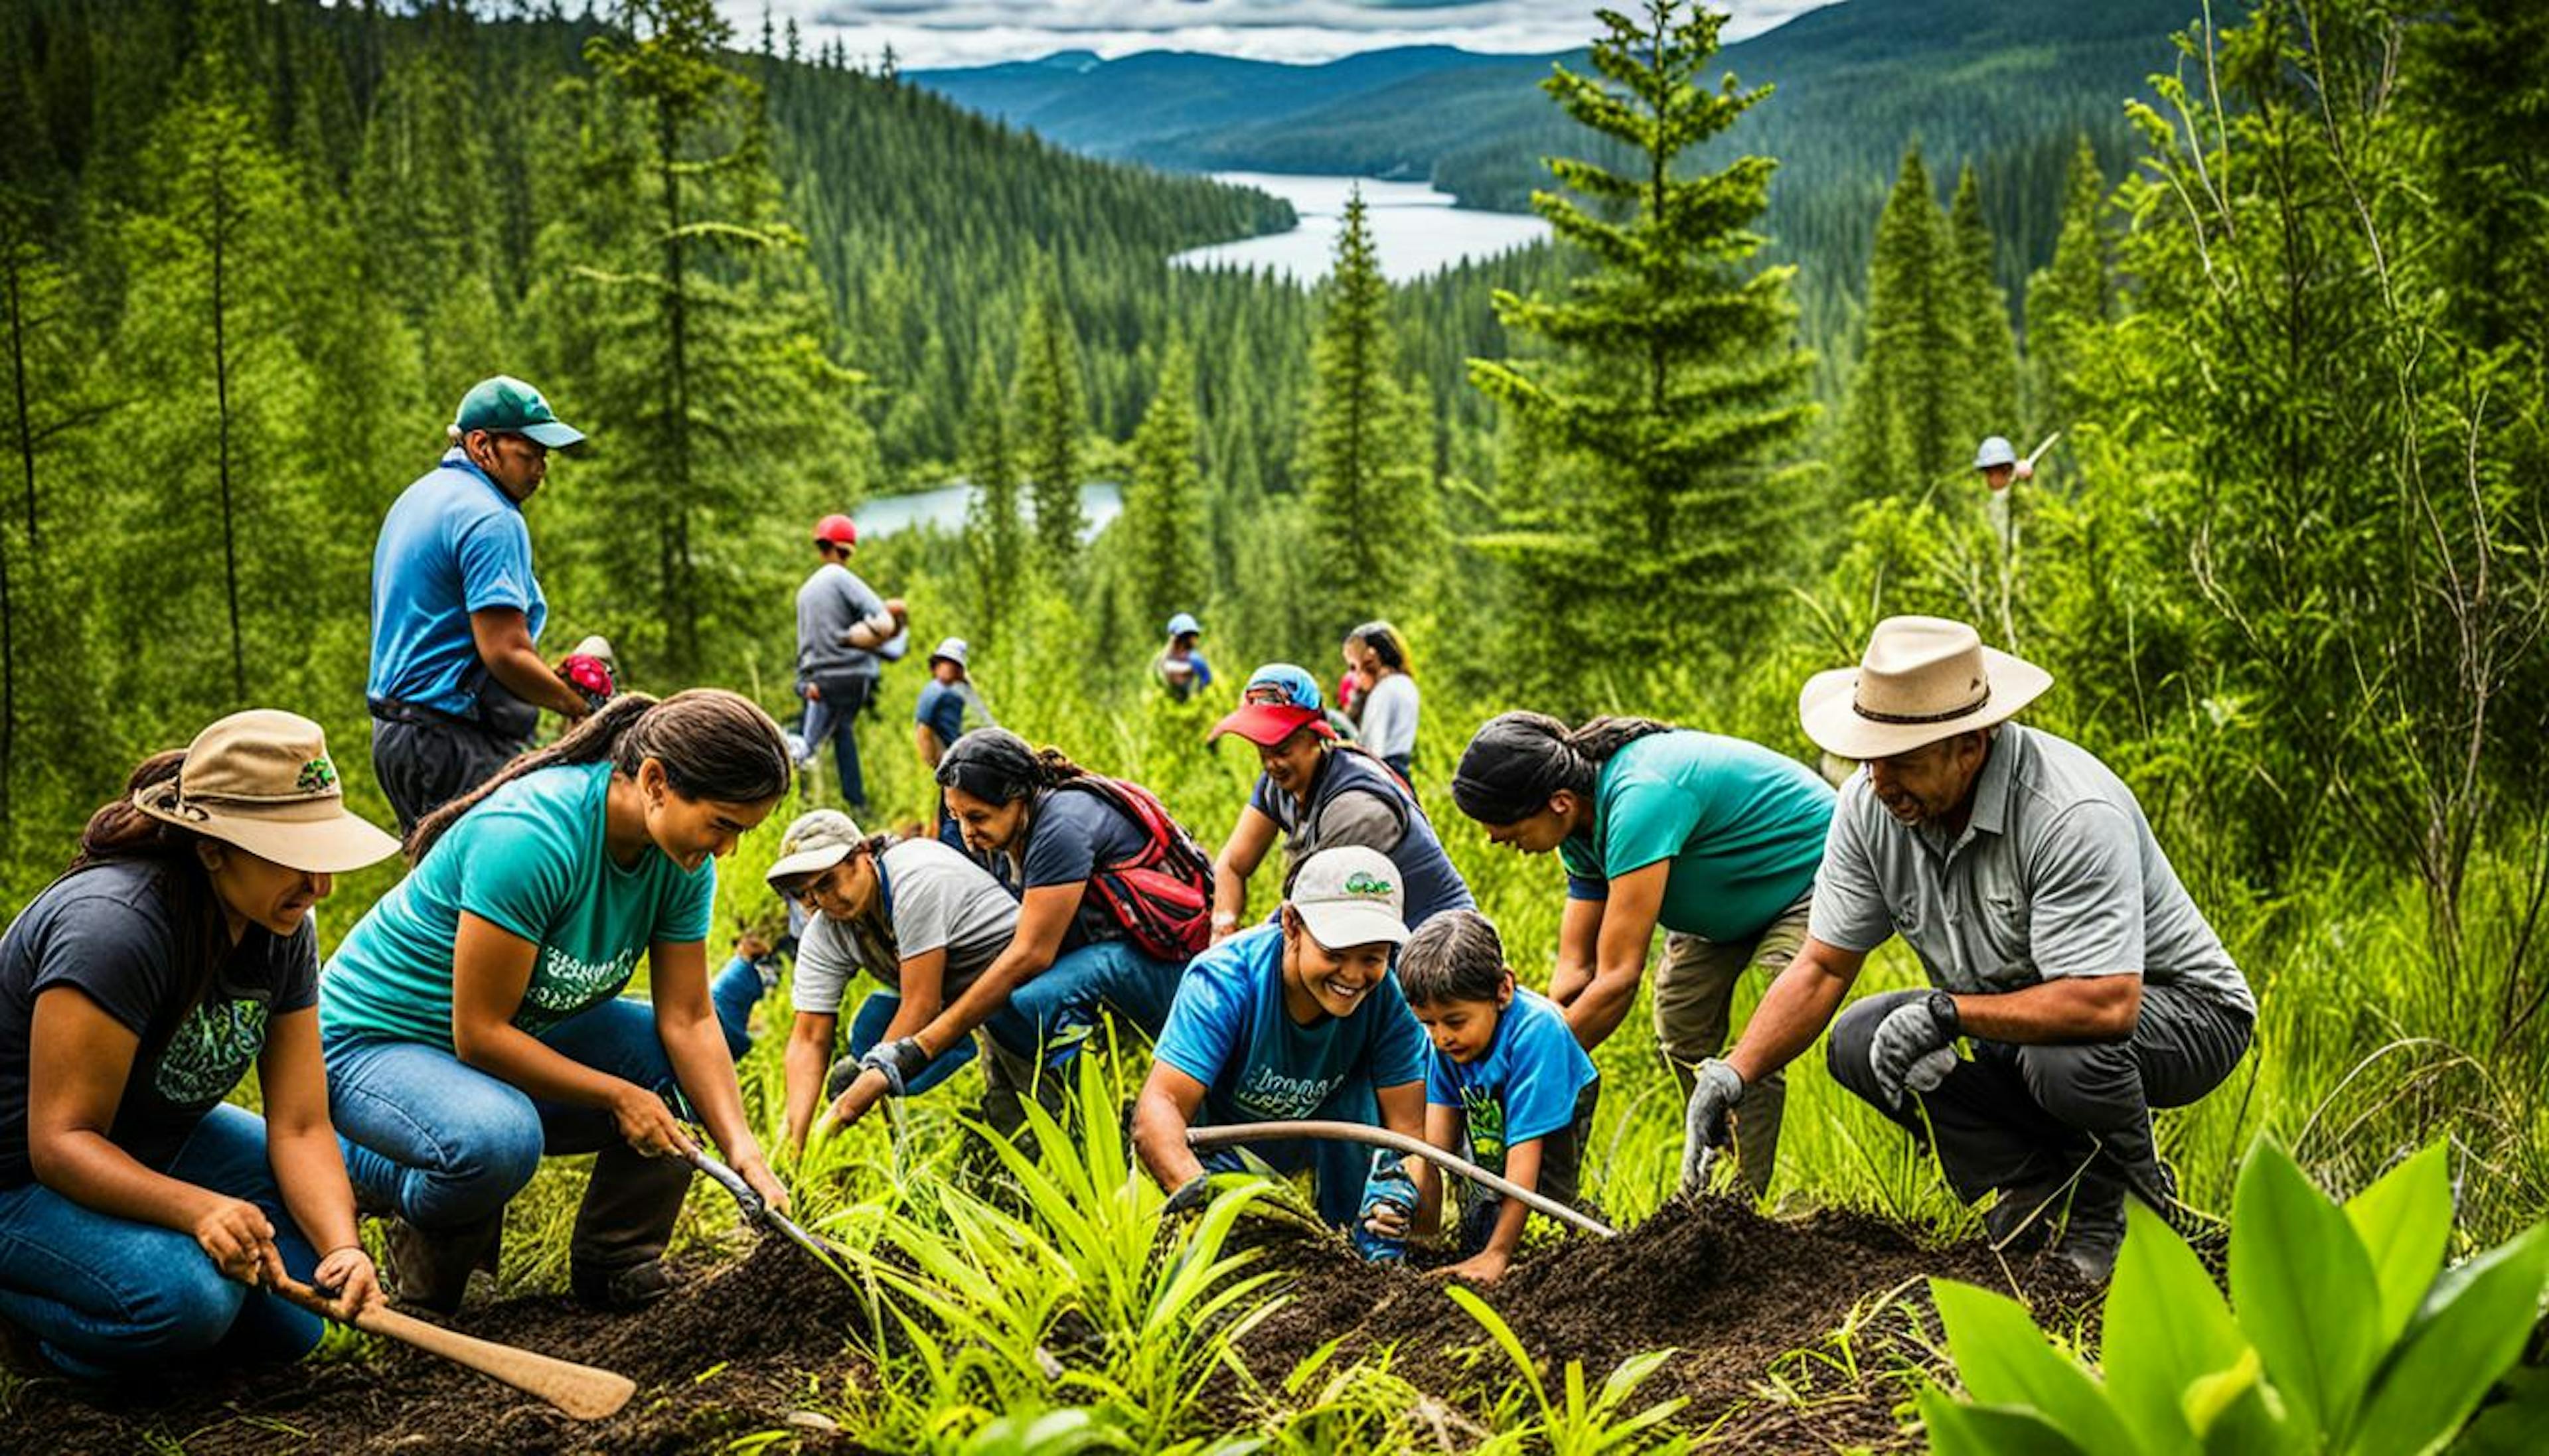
(1298,1020)
(1507,1086)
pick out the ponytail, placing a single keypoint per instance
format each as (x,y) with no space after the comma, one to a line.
(711,744)
(998,766)
(1517,762)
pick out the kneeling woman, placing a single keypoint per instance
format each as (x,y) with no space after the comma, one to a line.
(1112,898)
(473,1020)
(919,916)
(1295,1020)
(144,1220)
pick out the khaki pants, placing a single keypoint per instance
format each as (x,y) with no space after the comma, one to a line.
(1694,1001)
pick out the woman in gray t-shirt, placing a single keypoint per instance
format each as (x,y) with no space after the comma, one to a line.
(919,917)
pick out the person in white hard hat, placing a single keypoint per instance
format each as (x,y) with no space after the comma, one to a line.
(1999,464)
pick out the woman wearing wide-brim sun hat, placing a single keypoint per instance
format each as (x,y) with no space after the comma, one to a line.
(144,1221)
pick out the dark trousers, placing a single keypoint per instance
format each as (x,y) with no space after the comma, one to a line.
(2028,1118)
(835,715)
(424,762)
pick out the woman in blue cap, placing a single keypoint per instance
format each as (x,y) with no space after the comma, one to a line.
(1318,793)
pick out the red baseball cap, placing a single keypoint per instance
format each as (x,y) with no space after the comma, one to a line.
(1267,724)
(837,530)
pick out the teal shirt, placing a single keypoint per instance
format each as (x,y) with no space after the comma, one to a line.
(1744,827)
(529,859)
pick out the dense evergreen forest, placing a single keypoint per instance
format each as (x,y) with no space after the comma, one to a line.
(2284,559)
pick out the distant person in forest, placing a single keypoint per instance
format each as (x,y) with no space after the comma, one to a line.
(924,920)
(456,679)
(841,627)
(1181,667)
(1996,460)
(1714,839)
(1318,793)
(473,1022)
(2060,947)
(1376,655)
(1296,1019)
(1112,903)
(949,705)
(144,1218)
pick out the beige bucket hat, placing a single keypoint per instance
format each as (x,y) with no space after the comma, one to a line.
(1922,679)
(262,780)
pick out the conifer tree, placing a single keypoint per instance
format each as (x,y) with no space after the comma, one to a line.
(1990,368)
(1906,420)
(2070,300)
(1676,376)
(995,537)
(1050,414)
(1361,470)
(1161,526)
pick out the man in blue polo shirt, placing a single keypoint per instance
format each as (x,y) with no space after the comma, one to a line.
(457,682)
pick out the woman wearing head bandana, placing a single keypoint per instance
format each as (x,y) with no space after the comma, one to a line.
(1715,839)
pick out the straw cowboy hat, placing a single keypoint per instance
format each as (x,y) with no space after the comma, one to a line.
(262,780)
(1922,679)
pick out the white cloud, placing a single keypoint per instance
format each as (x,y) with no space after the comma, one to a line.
(953,33)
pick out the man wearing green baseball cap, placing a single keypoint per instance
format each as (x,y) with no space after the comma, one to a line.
(457,680)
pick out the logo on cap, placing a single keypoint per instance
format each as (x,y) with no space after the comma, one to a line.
(316,776)
(1362,882)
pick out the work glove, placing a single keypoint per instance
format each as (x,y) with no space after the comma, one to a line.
(1190,1196)
(1708,1124)
(1914,1046)
(901,1059)
(1388,1190)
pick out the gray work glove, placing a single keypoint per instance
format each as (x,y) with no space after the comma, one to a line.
(1914,1046)
(901,1059)
(1709,1123)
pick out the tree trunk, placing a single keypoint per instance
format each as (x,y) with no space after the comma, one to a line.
(681,606)
(221,224)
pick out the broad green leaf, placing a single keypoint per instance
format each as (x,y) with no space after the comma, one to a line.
(2004,1361)
(2238,1415)
(2405,1219)
(1988,1431)
(2470,1335)
(2518,1425)
(2166,1327)
(2304,1289)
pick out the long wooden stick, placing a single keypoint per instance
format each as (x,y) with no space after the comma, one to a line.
(581,1391)
(1206,1139)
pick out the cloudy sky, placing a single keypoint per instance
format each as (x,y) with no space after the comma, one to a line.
(941,33)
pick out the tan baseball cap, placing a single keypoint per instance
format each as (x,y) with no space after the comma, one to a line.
(262,780)
(818,840)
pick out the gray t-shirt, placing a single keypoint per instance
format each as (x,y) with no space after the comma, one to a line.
(940,899)
(1390,717)
(2057,875)
(829,605)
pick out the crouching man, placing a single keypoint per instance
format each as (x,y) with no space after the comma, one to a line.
(2060,947)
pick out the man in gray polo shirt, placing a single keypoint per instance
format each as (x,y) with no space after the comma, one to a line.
(2059,945)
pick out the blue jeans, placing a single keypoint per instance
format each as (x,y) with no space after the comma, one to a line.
(1338,1171)
(835,715)
(103,1294)
(1053,1011)
(867,1029)
(445,1145)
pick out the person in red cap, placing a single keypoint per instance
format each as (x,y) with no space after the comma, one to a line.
(1319,792)
(840,625)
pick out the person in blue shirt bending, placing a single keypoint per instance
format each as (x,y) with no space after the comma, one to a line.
(1507,1086)
(1298,1019)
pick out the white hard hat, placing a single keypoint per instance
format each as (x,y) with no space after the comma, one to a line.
(1994,451)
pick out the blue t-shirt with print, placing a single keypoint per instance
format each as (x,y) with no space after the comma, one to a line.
(1229,1030)
(530,859)
(454,543)
(1524,1087)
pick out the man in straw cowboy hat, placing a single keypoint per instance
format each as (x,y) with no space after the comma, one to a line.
(2060,946)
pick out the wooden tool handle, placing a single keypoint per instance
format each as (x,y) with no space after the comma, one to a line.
(1206,1139)
(581,1391)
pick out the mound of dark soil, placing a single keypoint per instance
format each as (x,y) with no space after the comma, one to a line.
(1733,1293)
(729,1352)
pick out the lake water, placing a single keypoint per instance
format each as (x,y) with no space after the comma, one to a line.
(882,515)
(1415,229)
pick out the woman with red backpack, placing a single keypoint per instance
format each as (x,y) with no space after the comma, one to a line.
(1114,898)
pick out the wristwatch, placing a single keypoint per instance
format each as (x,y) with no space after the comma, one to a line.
(1942,1010)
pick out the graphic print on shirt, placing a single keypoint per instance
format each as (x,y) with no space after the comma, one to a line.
(1486,1119)
(1269,1094)
(564,985)
(210,1052)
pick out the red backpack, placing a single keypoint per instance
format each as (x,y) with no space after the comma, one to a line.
(1161,893)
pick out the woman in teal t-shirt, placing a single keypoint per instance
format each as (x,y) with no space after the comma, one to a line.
(1715,839)
(472,1020)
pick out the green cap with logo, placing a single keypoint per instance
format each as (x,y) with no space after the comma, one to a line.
(1350,896)
(509,406)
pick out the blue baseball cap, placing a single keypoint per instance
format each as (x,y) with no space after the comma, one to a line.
(1182,623)
(1298,688)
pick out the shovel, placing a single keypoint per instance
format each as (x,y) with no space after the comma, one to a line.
(758,1210)
(584,1391)
(1208,1140)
